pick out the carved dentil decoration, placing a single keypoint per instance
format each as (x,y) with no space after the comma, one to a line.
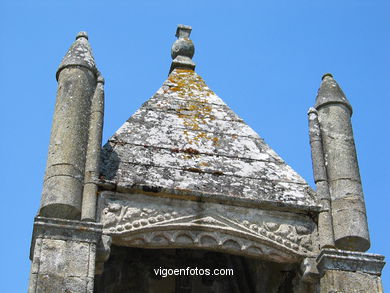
(165,226)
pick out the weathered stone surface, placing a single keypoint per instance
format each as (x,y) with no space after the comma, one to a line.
(331,93)
(54,283)
(347,271)
(63,256)
(155,222)
(79,54)
(63,183)
(183,49)
(92,163)
(317,152)
(325,220)
(348,208)
(57,257)
(185,182)
(334,259)
(62,229)
(346,282)
(186,139)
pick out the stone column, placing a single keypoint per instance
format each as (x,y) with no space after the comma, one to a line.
(325,225)
(347,268)
(93,153)
(63,249)
(348,207)
(63,256)
(63,183)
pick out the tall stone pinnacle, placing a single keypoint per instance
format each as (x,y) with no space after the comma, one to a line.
(182,49)
(330,93)
(64,177)
(342,169)
(79,54)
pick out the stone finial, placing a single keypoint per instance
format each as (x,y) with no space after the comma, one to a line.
(79,54)
(82,35)
(330,93)
(327,74)
(182,49)
(183,31)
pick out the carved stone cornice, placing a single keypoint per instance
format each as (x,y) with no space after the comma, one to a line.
(62,229)
(145,221)
(342,260)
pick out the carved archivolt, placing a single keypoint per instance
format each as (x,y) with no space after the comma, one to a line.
(160,226)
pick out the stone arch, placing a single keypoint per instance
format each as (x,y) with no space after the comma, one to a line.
(148,222)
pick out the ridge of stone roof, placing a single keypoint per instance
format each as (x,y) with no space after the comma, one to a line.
(186,142)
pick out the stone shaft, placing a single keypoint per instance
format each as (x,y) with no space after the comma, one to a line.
(325,225)
(63,183)
(93,153)
(348,207)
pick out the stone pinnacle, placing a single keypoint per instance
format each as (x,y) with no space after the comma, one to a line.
(79,54)
(82,35)
(330,93)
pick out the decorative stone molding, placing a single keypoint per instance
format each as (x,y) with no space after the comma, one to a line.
(63,254)
(333,259)
(62,229)
(208,240)
(146,221)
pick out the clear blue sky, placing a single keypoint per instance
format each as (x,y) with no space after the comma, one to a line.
(264,58)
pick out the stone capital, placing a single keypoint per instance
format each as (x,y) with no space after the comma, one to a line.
(342,260)
(61,229)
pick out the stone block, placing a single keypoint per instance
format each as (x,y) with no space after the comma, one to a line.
(66,258)
(350,282)
(63,256)
(54,283)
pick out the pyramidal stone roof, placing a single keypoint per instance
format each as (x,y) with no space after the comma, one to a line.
(186,142)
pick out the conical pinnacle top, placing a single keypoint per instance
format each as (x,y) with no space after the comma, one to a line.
(330,93)
(79,54)
(183,49)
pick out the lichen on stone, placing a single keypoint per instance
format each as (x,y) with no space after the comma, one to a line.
(187,140)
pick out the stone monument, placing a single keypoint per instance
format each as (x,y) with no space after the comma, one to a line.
(185,183)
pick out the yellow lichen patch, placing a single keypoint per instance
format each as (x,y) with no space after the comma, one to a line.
(189,157)
(204,164)
(190,86)
(186,82)
(196,110)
